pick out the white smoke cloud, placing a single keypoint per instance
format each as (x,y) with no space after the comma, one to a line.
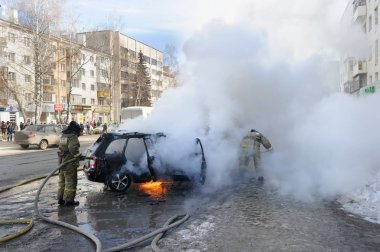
(234,79)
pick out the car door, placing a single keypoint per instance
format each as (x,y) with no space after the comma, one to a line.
(51,134)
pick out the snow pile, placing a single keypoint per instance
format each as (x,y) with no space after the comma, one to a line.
(365,201)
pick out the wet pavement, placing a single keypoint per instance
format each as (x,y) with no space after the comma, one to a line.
(248,217)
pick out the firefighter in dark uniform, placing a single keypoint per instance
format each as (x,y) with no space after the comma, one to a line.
(69,149)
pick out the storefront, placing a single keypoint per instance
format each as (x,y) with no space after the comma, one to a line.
(102,114)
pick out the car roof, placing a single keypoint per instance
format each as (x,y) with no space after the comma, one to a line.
(135,134)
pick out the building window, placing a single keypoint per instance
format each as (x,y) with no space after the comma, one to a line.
(63,51)
(28,78)
(100,101)
(370,80)
(83,57)
(46,81)
(92,73)
(376,52)
(84,101)
(92,101)
(11,37)
(27,41)
(27,60)
(104,73)
(92,58)
(76,83)
(62,67)
(48,97)
(376,76)
(83,71)
(28,97)
(63,83)
(124,75)
(92,87)
(84,86)
(376,14)
(147,59)
(63,99)
(12,56)
(76,99)
(370,23)
(12,76)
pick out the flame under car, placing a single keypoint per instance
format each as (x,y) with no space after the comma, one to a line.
(119,159)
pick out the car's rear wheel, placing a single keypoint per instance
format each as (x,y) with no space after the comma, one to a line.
(43,145)
(24,146)
(119,181)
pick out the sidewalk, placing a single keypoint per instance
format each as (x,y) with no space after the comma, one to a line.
(10,148)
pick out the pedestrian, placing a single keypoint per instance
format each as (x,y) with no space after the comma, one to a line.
(68,178)
(81,128)
(3,130)
(21,125)
(104,128)
(88,128)
(10,131)
(250,148)
(15,126)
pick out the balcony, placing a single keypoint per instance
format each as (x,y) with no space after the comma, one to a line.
(360,10)
(360,68)
(103,94)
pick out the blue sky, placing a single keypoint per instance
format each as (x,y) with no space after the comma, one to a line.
(160,22)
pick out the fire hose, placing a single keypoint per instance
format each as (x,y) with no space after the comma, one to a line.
(158,233)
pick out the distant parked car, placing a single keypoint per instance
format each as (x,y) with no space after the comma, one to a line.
(41,135)
(98,130)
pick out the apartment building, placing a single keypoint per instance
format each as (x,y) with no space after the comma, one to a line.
(84,77)
(124,52)
(71,71)
(360,76)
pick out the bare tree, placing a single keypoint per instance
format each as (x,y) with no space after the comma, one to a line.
(170,58)
(39,20)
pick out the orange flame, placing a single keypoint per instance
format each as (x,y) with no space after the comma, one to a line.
(154,189)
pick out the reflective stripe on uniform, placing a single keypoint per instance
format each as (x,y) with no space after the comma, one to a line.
(70,190)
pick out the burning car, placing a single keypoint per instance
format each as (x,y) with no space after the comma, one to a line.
(117,159)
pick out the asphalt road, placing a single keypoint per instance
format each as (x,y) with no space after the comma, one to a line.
(17,165)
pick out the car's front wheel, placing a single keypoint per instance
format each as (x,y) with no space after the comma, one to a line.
(43,145)
(119,181)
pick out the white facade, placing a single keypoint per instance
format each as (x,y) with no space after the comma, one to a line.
(361,75)
(86,69)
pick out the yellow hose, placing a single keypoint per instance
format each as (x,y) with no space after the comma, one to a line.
(19,233)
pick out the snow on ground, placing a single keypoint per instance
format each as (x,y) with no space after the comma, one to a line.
(365,201)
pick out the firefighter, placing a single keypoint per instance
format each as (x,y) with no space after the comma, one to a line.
(250,147)
(69,149)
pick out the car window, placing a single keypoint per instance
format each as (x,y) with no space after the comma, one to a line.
(49,129)
(116,146)
(58,129)
(31,128)
(135,150)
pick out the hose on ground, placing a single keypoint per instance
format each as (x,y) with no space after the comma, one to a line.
(19,233)
(18,221)
(158,233)
(61,223)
